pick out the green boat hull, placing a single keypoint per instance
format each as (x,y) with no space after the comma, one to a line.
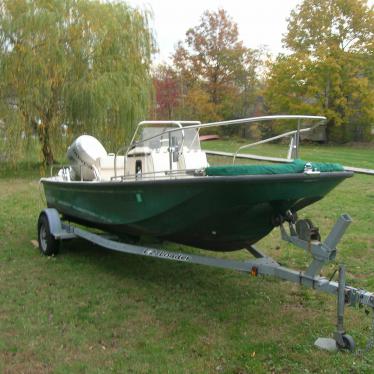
(216,213)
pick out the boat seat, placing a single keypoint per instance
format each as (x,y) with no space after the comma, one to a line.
(139,161)
(193,159)
(296,166)
(161,161)
(106,166)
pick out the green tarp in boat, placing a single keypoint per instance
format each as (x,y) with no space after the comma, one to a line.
(297,166)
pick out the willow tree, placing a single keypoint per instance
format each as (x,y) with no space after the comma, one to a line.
(76,62)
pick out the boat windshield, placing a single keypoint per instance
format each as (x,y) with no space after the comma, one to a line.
(189,137)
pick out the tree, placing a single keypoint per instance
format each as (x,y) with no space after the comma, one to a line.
(329,69)
(197,106)
(167,92)
(318,25)
(79,62)
(213,59)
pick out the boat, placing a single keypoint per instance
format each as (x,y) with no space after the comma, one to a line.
(162,186)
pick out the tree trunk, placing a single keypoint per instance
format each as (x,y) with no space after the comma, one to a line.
(330,123)
(330,131)
(43,132)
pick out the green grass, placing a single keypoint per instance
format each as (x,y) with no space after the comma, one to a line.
(89,310)
(350,156)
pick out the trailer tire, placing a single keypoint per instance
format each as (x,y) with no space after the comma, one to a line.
(48,245)
(349,343)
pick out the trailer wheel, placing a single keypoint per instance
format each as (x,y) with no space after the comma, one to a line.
(48,245)
(349,343)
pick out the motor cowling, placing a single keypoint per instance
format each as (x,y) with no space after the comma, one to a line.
(83,155)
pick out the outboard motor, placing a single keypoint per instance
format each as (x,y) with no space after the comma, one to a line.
(84,155)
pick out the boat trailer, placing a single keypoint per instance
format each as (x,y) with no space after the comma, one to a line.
(301,233)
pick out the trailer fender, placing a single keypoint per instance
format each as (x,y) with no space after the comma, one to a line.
(54,221)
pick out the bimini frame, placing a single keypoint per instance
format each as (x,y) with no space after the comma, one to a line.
(300,233)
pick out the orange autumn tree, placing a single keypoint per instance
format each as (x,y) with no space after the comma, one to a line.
(216,72)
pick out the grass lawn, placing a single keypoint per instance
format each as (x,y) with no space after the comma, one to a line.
(89,310)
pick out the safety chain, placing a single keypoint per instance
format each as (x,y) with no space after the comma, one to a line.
(370,343)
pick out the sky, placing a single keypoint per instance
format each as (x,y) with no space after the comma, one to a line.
(260,22)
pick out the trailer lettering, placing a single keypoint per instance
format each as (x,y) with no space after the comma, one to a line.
(165,254)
